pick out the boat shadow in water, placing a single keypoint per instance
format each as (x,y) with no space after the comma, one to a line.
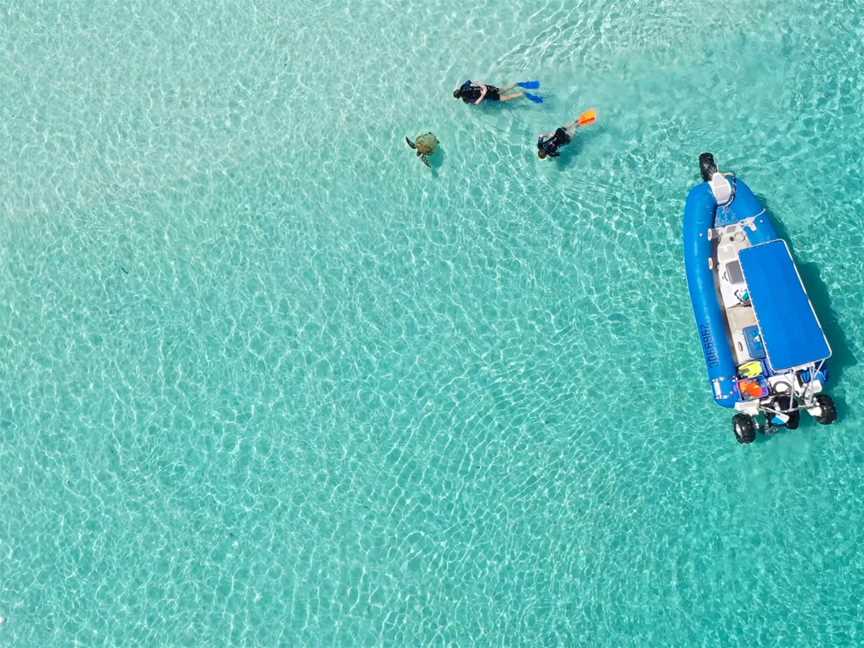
(841,351)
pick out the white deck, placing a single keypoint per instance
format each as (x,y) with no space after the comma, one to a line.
(732,287)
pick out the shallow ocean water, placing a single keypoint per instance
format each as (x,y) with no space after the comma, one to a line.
(269,381)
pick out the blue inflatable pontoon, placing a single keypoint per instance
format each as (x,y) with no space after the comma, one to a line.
(764,347)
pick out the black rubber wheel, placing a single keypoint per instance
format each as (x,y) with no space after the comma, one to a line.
(794,420)
(744,428)
(829,412)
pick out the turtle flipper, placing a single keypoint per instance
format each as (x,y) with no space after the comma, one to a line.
(425,159)
(410,143)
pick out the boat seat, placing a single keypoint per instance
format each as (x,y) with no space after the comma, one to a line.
(741,318)
(733,273)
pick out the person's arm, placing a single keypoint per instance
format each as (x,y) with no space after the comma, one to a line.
(483,90)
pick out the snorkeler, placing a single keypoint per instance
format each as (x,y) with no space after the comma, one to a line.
(549,143)
(425,145)
(477,93)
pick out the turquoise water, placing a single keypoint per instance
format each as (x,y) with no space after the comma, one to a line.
(268,381)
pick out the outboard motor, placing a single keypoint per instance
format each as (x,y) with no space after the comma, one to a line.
(707,166)
(723,190)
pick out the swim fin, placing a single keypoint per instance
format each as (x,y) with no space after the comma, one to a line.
(534,98)
(529,85)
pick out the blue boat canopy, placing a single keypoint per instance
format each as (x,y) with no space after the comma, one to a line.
(790,331)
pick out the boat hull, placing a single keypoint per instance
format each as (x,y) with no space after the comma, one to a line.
(701,215)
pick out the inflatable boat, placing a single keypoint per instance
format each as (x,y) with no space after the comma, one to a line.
(764,347)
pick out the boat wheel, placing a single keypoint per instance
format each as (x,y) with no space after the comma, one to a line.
(744,428)
(827,411)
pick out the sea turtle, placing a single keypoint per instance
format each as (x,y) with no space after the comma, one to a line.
(425,145)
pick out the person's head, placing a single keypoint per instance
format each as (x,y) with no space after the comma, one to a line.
(459,92)
(545,147)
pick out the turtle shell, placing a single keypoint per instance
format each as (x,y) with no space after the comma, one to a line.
(426,143)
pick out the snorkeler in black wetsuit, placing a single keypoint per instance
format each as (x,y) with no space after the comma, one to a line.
(472,93)
(549,143)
